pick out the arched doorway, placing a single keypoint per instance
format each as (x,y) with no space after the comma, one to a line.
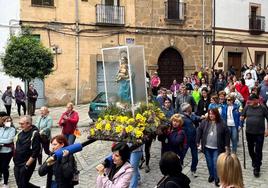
(170,67)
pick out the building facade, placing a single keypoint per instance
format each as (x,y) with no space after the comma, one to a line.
(241,33)
(175,35)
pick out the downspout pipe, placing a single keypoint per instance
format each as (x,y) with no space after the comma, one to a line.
(77,51)
(203,39)
(213,40)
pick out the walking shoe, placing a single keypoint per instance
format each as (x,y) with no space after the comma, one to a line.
(217,182)
(194,174)
(147,169)
(210,179)
(5,186)
(256,172)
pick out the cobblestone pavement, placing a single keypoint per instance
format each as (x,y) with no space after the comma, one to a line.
(94,153)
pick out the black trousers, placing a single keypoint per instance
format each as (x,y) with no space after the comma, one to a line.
(4,165)
(8,109)
(31,107)
(148,144)
(255,145)
(23,176)
(19,104)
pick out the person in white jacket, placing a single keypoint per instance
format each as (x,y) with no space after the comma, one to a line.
(252,72)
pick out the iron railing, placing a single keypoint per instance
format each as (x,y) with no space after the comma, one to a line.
(110,15)
(256,23)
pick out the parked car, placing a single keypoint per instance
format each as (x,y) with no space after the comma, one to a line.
(99,103)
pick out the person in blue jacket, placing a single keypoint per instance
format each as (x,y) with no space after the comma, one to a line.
(173,137)
(191,122)
(231,115)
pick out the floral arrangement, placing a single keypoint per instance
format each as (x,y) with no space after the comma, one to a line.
(120,125)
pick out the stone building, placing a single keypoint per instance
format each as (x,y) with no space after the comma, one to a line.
(175,35)
(240,33)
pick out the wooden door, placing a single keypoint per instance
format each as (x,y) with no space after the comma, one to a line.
(170,67)
(234,59)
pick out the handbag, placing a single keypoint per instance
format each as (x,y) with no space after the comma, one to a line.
(77,132)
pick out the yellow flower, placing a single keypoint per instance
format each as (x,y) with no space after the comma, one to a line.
(138,133)
(118,129)
(129,129)
(106,117)
(92,132)
(131,121)
(140,118)
(99,126)
(108,127)
(99,119)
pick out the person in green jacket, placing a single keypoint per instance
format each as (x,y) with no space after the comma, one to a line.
(196,94)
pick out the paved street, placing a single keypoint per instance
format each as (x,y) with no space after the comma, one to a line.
(96,152)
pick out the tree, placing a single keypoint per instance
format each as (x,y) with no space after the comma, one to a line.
(27,58)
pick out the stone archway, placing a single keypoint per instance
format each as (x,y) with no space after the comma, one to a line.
(170,67)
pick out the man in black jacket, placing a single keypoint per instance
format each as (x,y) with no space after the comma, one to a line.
(26,152)
(255,115)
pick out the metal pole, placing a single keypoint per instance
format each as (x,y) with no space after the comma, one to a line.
(243,144)
(77,52)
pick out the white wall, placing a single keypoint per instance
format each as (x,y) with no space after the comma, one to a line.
(9,13)
(234,13)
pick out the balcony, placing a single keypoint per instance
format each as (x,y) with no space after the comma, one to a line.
(110,15)
(256,24)
(175,11)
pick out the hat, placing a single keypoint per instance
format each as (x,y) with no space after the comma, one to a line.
(185,106)
(253,97)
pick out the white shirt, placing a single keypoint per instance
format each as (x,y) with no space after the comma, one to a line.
(253,74)
(230,118)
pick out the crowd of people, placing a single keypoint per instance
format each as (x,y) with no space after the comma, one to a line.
(204,114)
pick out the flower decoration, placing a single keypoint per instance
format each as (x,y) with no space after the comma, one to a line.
(120,125)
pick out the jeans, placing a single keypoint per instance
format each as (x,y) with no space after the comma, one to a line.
(194,152)
(4,165)
(234,137)
(70,138)
(135,158)
(211,158)
(23,176)
(255,144)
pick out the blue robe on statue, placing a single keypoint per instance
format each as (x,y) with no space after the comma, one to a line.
(124,90)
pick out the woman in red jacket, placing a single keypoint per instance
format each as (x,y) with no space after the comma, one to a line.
(68,121)
(243,90)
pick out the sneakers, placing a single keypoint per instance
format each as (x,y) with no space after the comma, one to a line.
(147,169)
(256,172)
(210,179)
(5,186)
(194,174)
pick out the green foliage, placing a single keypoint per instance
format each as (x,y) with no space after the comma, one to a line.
(26,58)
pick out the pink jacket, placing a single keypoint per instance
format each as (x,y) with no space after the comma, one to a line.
(121,178)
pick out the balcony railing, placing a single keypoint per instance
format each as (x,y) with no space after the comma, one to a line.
(174,11)
(110,15)
(256,24)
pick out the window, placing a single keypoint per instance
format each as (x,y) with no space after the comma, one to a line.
(43,2)
(174,10)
